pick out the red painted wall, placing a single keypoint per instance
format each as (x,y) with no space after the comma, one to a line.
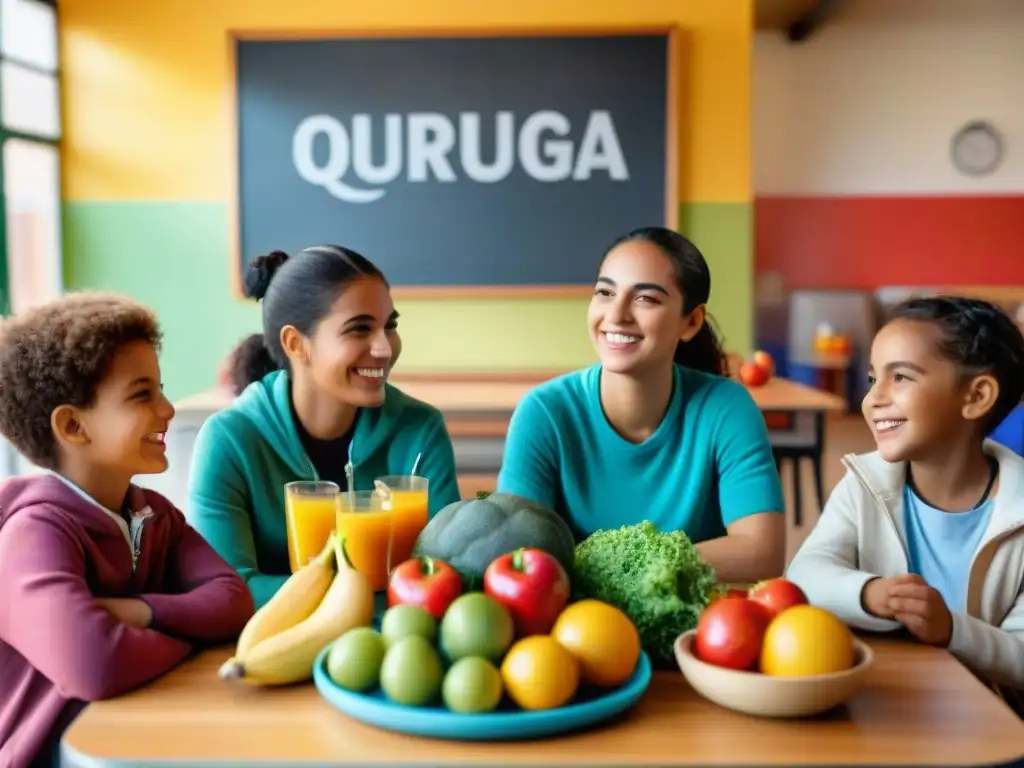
(854,182)
(870,242)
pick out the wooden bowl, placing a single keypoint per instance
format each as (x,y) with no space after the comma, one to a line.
(766,696)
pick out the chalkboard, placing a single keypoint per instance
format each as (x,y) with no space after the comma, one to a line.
(502,163)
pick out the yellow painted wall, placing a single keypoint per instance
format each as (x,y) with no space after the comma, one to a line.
(148,99)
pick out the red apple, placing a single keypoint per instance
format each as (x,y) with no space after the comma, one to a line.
(753,375)
(777,595)
(730,633)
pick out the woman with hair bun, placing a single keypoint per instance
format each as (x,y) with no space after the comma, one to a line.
(313,398)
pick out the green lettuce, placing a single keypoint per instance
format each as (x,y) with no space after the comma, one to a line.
(657,579)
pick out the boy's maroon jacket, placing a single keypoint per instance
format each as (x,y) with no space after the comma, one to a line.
(59,550)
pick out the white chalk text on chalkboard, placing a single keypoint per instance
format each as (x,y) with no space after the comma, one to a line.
(430,138)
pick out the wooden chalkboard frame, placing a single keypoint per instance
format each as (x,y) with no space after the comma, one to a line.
(671,32)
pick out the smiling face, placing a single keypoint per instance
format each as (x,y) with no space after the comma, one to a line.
(353,348)
(124,429)
(636,313)
(918,401)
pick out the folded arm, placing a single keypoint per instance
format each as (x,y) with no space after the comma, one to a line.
(218,509)
(826,565)
(749,495)
(211,602)
(50,616)
(754,548)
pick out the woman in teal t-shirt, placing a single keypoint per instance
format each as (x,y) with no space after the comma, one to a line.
(654,431)
(315,398)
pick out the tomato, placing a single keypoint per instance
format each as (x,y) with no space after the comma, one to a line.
(602,638)
(806,640)
(730,632)
(426,582)
(539,673)
(534,587)
(777,595)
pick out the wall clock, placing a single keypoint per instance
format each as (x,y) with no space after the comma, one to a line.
(977,148)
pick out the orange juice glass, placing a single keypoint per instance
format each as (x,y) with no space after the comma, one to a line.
(365,526)
(310,508)
(407,497)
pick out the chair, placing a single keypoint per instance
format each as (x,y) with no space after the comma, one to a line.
(804,440)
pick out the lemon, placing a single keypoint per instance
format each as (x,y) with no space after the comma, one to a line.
(806,640)
(539,673)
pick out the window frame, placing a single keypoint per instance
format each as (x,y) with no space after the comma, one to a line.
(6,134)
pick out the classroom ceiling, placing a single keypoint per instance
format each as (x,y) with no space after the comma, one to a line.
(779,14)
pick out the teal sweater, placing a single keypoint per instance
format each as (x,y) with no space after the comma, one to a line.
(246,453)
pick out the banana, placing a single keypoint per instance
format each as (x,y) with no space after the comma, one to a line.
(293,603)
(288,657)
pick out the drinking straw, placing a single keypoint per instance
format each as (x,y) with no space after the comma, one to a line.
(416,464)
(350,478)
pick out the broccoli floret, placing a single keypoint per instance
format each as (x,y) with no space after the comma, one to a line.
(658,579)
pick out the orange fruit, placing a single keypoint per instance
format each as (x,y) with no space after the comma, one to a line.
(602,638)
(806,640)
(538,673)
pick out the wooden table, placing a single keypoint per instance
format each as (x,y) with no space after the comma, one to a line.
(460,395)
(919,707)
(482,406)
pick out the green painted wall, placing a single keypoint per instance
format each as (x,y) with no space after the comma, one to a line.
(173,257)
(724,232)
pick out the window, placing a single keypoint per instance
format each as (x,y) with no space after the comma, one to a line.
(29,100)
(29,33)
(30,126)
(32,219)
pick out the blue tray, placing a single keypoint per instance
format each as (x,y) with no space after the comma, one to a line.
(508,722)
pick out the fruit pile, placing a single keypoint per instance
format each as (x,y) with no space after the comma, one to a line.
(772,629)
(517,638)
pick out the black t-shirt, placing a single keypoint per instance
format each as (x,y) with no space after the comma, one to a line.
(329,457)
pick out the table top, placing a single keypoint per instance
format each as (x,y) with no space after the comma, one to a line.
(918,707)
(461,395)
(785,395)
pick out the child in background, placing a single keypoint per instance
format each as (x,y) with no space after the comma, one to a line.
(927,533)
(103,586)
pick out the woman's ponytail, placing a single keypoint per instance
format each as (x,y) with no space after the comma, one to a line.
(703,352)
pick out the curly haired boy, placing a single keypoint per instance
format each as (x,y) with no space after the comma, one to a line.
(103,585)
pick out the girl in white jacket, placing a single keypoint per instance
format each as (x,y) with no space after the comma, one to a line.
(927,532)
